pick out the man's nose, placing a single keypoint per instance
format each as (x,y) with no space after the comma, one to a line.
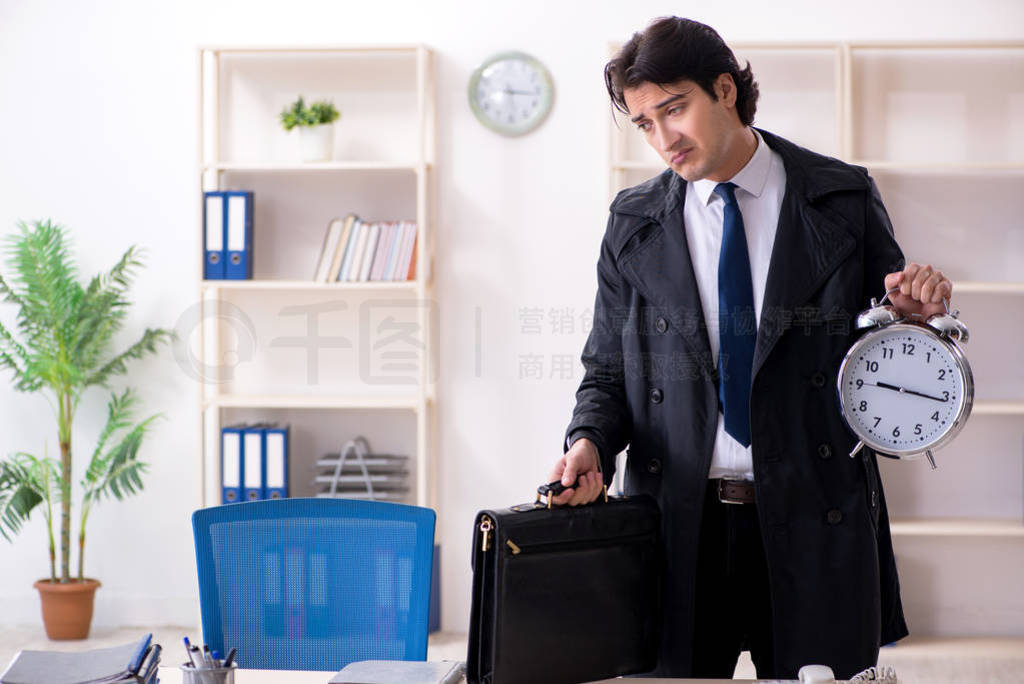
(666,138)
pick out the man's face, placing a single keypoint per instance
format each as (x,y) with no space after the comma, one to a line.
(695,135)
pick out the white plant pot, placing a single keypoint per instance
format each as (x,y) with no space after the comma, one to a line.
(316,143)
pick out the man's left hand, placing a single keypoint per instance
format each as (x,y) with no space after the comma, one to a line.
(921,290)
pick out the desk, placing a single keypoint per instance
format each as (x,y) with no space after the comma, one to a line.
(172,675)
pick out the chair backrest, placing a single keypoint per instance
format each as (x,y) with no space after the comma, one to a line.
(314,584)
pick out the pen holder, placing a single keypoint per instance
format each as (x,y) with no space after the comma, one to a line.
(207,675)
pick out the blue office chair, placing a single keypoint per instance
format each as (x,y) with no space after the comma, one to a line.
(314,584)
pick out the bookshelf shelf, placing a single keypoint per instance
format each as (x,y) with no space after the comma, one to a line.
(944,167)
(312,401)
(998,408)
(373,285)
(954,527)
(982,287)
(287,167)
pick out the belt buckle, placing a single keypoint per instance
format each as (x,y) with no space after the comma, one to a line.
(721,493)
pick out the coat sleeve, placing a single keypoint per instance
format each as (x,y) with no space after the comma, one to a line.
(602,413)
(882,255)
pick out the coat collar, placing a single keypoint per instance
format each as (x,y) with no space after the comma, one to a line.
(810,175)
(809,245)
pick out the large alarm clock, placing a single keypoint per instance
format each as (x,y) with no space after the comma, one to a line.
(511,93)
(906,387)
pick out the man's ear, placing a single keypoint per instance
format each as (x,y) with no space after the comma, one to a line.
(725,89)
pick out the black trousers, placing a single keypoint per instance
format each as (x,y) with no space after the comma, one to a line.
(732,611)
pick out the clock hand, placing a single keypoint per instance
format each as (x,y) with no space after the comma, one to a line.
(509,91)
(895,388)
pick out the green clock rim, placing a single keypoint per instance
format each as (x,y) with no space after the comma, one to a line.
(547,96)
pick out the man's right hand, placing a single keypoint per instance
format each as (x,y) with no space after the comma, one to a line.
(581,460)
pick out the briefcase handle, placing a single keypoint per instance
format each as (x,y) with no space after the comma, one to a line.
(553,489)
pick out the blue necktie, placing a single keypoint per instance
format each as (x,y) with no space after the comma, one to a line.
(737,330)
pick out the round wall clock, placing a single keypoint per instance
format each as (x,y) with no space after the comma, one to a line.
(511,93)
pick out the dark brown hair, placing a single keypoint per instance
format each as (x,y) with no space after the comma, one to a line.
(673,49)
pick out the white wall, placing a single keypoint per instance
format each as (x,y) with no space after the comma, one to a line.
(98,130)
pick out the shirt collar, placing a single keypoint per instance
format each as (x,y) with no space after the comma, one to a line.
(751,177)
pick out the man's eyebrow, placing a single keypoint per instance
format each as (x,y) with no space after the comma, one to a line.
(663,103)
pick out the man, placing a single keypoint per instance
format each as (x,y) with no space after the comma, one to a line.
(727,286)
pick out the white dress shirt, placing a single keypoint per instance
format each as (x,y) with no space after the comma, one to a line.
(760,186)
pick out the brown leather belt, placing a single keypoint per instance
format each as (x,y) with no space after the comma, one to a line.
(735,491)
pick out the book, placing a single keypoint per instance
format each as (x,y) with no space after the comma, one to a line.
(411,273)
(408,672)
(352,272)
(332,236)
(380,260)
(407,248)
(132,662)
(371,250)
(393,253)
(342,248)
(350,249)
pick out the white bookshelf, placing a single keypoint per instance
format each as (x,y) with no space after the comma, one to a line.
(940,127)
(281,347)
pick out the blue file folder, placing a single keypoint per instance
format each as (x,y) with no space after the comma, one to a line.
(232,459)
(275,455)
(238,235)
(255,465)
(214,212)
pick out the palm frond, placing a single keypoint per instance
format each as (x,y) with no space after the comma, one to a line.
(21,490)
(117,472)
(116,366)
(46,275)
(9,344)
(43,283)
(102,310)
(119,412)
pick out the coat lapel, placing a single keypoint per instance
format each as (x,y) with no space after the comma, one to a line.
(808,247)
(660,268)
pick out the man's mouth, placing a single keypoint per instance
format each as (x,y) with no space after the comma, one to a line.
(680,156)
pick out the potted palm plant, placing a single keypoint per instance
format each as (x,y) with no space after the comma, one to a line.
(315,126)
(60,348)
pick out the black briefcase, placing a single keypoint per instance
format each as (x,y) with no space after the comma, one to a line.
(567,594)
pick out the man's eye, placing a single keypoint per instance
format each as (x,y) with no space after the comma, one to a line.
(675,110)
(644,127)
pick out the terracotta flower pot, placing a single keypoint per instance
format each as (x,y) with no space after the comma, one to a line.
(67,608)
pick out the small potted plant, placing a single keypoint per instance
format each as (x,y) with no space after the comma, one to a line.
(60,348)
(315,125)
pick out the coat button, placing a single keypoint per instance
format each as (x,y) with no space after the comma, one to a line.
(656,396)
(825,451)
(654,466)
(661,325)
(818,379)
(835,516)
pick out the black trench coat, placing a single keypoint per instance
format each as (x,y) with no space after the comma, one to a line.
(650,383)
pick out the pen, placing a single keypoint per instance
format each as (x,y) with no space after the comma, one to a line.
(231,657)
(188,651)
(207,657)
(216,659)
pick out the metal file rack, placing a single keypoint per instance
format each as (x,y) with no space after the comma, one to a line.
(355,473)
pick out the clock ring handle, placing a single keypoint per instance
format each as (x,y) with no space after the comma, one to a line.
(945,300)
(886,296)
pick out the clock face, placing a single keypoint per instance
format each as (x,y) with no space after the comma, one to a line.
(903,390)
(511,93)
